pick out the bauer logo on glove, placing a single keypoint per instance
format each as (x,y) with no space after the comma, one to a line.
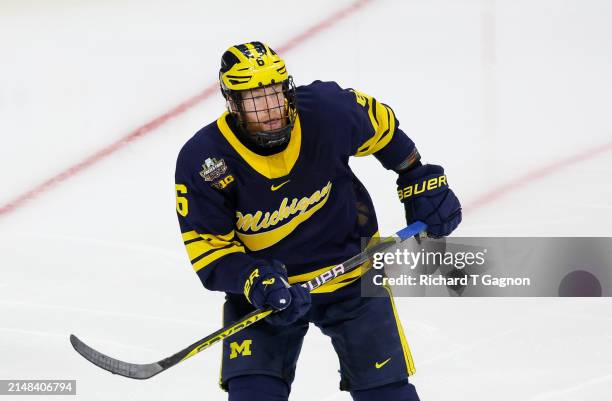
(249,282)
(426,185)
(426,196)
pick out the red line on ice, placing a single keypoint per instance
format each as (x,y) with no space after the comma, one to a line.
(536,174)
(150,126)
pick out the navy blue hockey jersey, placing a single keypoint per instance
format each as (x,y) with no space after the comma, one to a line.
(302,206)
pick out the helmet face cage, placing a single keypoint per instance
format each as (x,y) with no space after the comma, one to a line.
(246,108)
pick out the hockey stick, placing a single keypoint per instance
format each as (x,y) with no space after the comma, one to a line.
(148,370)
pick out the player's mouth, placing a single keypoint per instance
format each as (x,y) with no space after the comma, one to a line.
(271,125)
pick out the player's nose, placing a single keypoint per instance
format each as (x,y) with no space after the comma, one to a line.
(273,101)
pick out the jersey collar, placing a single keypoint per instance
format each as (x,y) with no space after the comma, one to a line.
(272,166)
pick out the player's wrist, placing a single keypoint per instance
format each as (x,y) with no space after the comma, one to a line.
(409,163)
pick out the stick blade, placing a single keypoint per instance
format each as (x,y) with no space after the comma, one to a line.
(115,366)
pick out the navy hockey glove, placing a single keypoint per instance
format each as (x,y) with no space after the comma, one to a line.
(298,307)
(426,197)
(267,285)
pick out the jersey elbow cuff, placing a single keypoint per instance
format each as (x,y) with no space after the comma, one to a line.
(398,150)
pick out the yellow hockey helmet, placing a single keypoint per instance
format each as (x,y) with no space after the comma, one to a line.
(250,66)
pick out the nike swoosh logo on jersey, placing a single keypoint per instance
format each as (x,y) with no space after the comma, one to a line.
(275,187)
(381,364)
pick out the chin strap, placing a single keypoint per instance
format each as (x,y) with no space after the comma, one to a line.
(250,141)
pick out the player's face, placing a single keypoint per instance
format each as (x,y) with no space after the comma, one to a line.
(264,109)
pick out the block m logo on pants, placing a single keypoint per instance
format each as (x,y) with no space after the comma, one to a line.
(242,349)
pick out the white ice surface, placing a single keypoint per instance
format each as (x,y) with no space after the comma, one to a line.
(490,90)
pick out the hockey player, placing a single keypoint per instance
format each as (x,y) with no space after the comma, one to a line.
(266,200)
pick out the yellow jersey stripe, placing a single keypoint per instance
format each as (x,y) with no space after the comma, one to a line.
(191,235)
(400,329)
(204,249)
(372,113)
(216,254)
(374,120)
(196,249)
(383,123)
(386,136)
(308,276)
